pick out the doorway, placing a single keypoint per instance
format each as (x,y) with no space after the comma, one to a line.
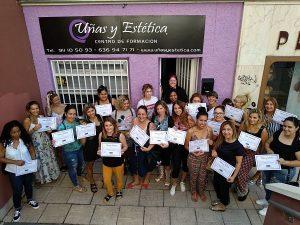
(186,70)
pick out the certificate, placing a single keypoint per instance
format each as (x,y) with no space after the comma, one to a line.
(215,126)
(176,136)
(267,162)
(139,136)
(83,131)
(158,137)
(111,149)
(198,145)
(170,108)
(63,137)
(234,113)
(29,167)
(47,123)
(211,113)
(249,141)
(192,108)
(223,168)
(279,116)
(104,110)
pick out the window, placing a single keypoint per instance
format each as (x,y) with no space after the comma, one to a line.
(77,81)
(283,82)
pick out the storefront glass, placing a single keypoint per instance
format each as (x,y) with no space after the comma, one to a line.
(284,84)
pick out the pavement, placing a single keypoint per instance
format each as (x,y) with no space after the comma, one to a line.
(59,204)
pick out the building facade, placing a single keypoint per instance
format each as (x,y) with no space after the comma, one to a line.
(65,72)
(268,62)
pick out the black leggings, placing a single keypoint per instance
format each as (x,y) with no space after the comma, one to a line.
(221,186)
(179,160)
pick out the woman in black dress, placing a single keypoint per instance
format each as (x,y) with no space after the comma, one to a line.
(181,93)
(91,144)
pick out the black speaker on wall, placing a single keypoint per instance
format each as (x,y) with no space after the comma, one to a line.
(207,85)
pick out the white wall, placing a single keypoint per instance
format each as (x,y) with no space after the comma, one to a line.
(261,25)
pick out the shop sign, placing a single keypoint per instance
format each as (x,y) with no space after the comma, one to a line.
(123,34)
(284,37)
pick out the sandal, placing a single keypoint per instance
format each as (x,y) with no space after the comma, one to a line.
(243,198)
(218,208)
(107,198)
(94,188)
(119,194)
(203,198)
(215,202)
(145,185)
(79,189)
(132,185)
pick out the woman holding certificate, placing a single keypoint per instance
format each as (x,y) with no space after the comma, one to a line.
(92,143)
(162,122)
(48,167)
(198,153)
(139,164)
(72,152)
(253,126)
(112,146)
(286,144)
(183,122)
(16,150)
(105,99)
(229,149)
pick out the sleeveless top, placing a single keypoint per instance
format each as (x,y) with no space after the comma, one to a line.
(109,100)
(58,117)
(112,161)
(287,152)
(20,153)
(164,124)
(257,134)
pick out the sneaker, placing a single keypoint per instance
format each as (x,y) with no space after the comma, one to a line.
(33,204)
(172,190)
(262,202)
(17,216)
(182,186)
(263,212)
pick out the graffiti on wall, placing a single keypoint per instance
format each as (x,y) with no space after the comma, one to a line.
(247,79)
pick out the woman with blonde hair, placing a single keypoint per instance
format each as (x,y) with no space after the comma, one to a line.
(254,126)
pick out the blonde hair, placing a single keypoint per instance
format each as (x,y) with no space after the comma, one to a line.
(120,101)
(242,98)
(260,117)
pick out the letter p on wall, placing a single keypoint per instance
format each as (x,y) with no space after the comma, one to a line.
(282,39)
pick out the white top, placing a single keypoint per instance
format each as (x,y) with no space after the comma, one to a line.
(21,153)
(149,104)
(285,189)
(58,118)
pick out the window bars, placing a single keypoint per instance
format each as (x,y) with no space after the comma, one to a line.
(77,81)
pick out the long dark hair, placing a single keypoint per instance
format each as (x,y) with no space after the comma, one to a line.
(163,104)
(183,118)
(5,135)
(221,137)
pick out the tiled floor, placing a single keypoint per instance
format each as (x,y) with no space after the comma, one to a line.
(60,204)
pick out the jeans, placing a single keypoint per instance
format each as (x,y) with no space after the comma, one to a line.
(17,183)
(74,161)
(277,176)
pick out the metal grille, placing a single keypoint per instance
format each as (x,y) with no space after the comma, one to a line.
(187,74)
(76,81)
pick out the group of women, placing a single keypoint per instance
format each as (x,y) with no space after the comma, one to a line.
(21,142)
